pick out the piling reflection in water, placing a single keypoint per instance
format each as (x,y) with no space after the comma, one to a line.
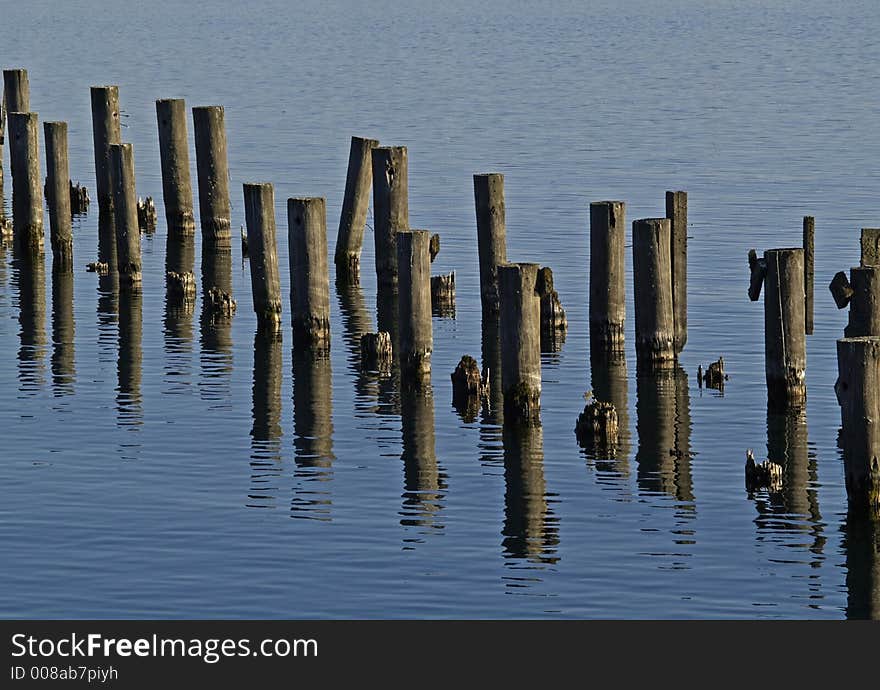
(29,278)
(531,531)
(63,333)
(215,327)
(861,544)
(424,482)
(266,431)
(129,400)
(179,258)
(355,322)
(387,319)
(609,383)
(107,237)
(796,507)
(313,435)
(663,423)
(493,413)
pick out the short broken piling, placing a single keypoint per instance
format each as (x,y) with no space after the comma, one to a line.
(443,295)
(376,352)
(857,386)
(355,203)
(390,208)
(310,283)
(213,172)
(27,190)
(128,236)
(652,284)
(676,212)
(469,388)
(259,210)
(607,265)
(553,321)
(58,195)
(491,236)
(520,326)
(414,304)
(177,191)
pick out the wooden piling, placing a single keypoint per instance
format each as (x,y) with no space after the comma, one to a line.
(105,131)
(652,285)
(809,261)
(443,295)
(676,212)
(554,324)
(870,247)
(259,210)
(414,303)
(390,208)
(128,236)
(310,283)
(607,266)
(27,189)
(355,203)
(784,331)
(16,99)
(491,236)
(857,386)
(864,302)
(58,195)
(520,325)
(213,173)
(177,191)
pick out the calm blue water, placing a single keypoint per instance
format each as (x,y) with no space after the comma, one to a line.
(154,467)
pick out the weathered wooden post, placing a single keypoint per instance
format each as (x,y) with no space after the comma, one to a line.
(870,246)
(862,293)
(414,305)
(607,266)
(58,195)
(174,155)
(356,201)
(554,323)
(858,383)
(105,131)
(652,284)
(520,326)
(27,188)
(310,282)
(676,212)
(16,99)
(809,260)
(213,172)
(390,208)
(491,236)
(128,235)
(443,295)
(259,210)
(785,350)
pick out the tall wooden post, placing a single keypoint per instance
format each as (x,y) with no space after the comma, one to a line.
(105,131)
(259,210)
(607,285)
(174,155)
(652,283)
(27,188)
(676,211)
(58,195)
(809,260)
(213,171)
(310,283)
(414,305)
(390,208)
(784,331)
(355,202)
(128,235)
(491,236)
(520,326)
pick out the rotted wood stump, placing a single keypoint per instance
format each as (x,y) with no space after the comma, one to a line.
(98,267)
(554,325)
(147,216)
(714,377)
(443,295)
(79,199)
(762,475)
(870,247)
(181,287)
(376,352)
(469,388)
(219,303)
(598,426)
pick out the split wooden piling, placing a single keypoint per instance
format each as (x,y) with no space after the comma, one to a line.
(376,352)
(213,172)
(259,210)
(857,386)
(443,295)
(676,212)
(27,188)
(177,191)
(390,208)
(652,284)
(414,303)
(310,283)
(491,236)
(862,293)
(520,326)
(16,99)
(58,195)
(355,203)
(785,348)
(105,131)
(809,261)
(554,323)
(607,266)
(128,236)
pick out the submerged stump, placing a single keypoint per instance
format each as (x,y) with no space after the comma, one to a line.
(376,352)
(598,425)
(469,388)
(762,475)
(443,295)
